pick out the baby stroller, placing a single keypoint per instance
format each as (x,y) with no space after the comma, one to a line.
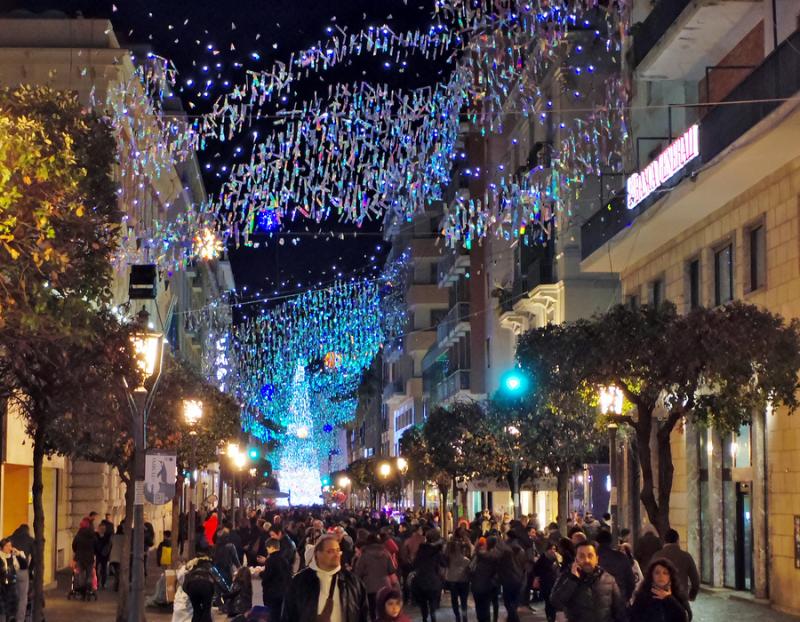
(83,583)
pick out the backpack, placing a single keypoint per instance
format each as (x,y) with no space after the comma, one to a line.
(199,575)
(165,557)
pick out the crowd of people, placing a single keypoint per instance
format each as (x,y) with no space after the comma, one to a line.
(369,566)
(321,565)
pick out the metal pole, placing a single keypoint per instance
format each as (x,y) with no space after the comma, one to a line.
(136,611)
(612,467)
(219,496)
(515,493)
(191,517)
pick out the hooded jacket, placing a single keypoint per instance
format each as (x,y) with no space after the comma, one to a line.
(374,567)
(384,595)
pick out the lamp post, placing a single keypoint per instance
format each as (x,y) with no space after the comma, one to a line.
(402,468)
(192,413)
(148,347)
(514,432)
(239,461)
(611,401)
(344,482)
(384,470)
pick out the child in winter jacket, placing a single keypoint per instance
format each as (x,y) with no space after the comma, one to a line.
(389,604)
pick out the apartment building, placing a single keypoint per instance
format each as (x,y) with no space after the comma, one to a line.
(711,214)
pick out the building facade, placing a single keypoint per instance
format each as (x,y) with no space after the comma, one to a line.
(85,57)
(712,214)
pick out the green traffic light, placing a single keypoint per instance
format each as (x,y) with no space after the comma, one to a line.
(253,453)
(514,382)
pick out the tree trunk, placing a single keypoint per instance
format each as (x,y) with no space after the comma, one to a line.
(562,478)
(125,563)
(37,569)
(666,472)
(643,429)
(176,518)
(455,503)
(443,490)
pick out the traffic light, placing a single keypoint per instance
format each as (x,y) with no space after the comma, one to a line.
(514,382)
(253,453)
(325,480)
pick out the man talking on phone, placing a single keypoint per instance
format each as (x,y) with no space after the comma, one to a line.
(586,592)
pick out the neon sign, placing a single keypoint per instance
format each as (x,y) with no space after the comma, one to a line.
(679,153)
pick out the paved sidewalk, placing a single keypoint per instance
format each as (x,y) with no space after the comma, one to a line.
(716,607)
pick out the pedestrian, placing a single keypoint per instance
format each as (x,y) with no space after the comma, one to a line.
(312,536)
(239,599)
(687,575)
(660,597)
(428,567)
(545,572)
(457,575)
(374,567)
(638,576)
(22,541)
(102,551)
(325,592)
(390,605)
(288,547)
(587,593)
(196,581)
(115,556)
(484,581)
(616,563)
(647,545)
(511,571)
(83,550)
(9,566)
(275,577)
(164,551)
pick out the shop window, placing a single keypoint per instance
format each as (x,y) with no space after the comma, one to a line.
(723,275)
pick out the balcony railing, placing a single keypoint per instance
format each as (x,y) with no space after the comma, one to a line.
(448,387)
(458,314)
(776,79)
(452,265)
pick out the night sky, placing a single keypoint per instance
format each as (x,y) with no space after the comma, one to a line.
(212,44)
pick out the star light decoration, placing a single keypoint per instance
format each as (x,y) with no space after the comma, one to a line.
(207,244)
(300,365)
(363,150)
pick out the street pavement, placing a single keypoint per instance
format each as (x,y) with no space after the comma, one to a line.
(707,608)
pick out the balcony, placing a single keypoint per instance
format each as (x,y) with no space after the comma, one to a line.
(449,387)
(427,295)
(680,38)
(538,272)
(451,266)
(393,389)
(748,141)
(454,325)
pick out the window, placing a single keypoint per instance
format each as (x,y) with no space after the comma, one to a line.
(758,257)
(723,275)
(657,292)
(694,284)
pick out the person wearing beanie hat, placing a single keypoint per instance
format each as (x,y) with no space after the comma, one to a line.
(390,605)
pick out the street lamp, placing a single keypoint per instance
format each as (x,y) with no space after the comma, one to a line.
(192,413)
(402,468)
(514,432)
(148,347)
(384,470)
(611,402)
(344,483)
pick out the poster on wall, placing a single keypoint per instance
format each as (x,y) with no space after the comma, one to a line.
(161,472)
